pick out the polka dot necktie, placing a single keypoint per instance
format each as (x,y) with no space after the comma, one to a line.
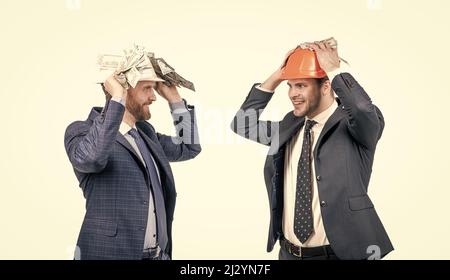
(303,220)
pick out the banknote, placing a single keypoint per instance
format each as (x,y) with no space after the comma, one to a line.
(330,42)
(171,77)
(137,62)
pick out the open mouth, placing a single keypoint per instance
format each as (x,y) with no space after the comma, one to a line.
(298,102)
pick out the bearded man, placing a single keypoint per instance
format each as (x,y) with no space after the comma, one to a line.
(122,165)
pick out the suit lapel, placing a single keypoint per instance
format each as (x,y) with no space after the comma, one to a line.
(288,127)
(291,124)
(331,122)
(124,142)
(158,154)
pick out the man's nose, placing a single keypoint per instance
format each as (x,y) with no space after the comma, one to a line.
(293,93)
(152,95)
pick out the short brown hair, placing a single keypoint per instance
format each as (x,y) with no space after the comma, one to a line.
(321,81)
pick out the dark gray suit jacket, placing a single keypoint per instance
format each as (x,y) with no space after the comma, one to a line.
(343,155)
(114,180)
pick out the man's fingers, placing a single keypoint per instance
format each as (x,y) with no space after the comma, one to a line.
(322,46)
(158,87)
(313,46)
(317,43)
(309,44)
(328,46)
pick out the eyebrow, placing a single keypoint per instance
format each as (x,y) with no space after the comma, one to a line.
(149,86)
(299,83)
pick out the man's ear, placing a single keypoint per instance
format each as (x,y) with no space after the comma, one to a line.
(326,88)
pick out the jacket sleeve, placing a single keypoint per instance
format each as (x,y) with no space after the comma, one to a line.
(365,121)
(186,144)
(88,146)
(246,122)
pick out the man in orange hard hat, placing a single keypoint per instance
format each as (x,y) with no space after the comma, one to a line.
(320,159)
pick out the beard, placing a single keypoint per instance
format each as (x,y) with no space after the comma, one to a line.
(141,112)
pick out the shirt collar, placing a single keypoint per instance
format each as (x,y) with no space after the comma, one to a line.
(124,128)
(322,118)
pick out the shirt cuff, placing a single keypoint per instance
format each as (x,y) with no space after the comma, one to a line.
(263,89)
(178,107)
(342,69)
(118,100)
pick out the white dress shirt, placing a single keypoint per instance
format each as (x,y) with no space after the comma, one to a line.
(292,157)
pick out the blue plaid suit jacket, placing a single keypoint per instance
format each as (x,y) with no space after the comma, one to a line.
(114,183)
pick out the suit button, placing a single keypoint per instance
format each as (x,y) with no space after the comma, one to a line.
(318,177)
(323,203)
(145,202)
(141,229)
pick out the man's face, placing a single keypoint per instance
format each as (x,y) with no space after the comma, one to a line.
(305,96)
(139,99)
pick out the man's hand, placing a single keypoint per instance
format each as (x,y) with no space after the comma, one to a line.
(168,93)
(275,79)
(327,56)
(113,87)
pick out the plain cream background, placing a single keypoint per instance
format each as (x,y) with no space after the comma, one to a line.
(398,52)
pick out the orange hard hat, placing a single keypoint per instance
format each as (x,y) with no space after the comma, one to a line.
(302,64)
